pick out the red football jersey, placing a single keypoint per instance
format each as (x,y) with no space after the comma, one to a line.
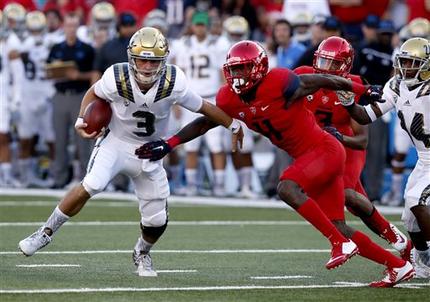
(290,127)
(326,106)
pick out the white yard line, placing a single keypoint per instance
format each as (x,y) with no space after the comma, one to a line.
(162,289)
(245,251)
(193,200)
(180,223)
(403,285)
(280,277)
(176,271)
(47,265)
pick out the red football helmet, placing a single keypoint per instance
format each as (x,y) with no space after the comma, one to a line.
(334,56)
(247,63)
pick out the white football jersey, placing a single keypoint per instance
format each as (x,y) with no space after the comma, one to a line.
(139,117)
(35,53)
(202,62)
(413,110)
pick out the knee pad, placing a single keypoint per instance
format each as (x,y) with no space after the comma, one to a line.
(153,232)
(153,212)
(92,186)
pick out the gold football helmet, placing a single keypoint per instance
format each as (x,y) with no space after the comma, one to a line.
(412,63)
(103,11)
(35,21)
(419,27)
(149,44)
(15,12)
(236,28)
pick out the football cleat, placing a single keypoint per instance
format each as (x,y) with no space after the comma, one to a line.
(402,241)
(421,268)
(392,198)
(34,242)
(144,265)
(341,253)
(395,276)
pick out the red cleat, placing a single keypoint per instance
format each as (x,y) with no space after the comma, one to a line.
(341,253)
(395,276)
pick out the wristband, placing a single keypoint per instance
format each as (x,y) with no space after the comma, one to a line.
(358,89)
(79,121)
(173,141)
(234,126)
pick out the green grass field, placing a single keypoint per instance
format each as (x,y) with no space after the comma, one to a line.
(208,253)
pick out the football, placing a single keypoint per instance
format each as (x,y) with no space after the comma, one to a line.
(97,115)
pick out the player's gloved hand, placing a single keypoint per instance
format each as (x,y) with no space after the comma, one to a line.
(333,131)
(345,97)
(153,150)
(373,94)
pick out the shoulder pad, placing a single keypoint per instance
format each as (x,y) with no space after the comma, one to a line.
(122,81)
(167,82)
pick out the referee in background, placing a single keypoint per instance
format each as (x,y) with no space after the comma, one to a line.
(67,100)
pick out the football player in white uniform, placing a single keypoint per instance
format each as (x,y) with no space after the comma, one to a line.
(11,75)
(140,93)
(419,27)
(409,93)
(235,29)
(101,25)
(201,56)
(35,109)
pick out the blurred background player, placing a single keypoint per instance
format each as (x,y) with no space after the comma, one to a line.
(11,77)
(335,56)
(236,29)
(201,56)
(101,25)
(418,27)
(35,108)
(408,92)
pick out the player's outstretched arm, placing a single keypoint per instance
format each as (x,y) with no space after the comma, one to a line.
(311,83)
(359,140)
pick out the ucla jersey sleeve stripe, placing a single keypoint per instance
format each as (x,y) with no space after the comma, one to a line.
(424,196)
(395,86)
(122,80)
(425,90)
(167,82)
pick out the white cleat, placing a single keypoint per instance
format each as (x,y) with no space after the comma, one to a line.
(247,193)
(402,241)
(395,276)
(392,198)
(145,267)
(34,242)
(421,265)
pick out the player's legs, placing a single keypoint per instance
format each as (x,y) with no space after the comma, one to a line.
(215,141)
(6,178)
(152,190)
(358,204)
(103,166)
(311,173)
(416,216)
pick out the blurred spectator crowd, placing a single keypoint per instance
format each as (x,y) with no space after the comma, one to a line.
(38,146)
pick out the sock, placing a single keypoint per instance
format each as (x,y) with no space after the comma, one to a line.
(56,220)
(313,213)
(370,250)
(143,246)
(191,175)
(377,223)
(219,178)
(396,184)
(24,169)
(245,177)
(175,174)
(6,168)
(424,256)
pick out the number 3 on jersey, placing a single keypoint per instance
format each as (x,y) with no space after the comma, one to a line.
(145,123)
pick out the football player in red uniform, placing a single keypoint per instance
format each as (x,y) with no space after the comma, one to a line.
(335,56)
(271,103)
